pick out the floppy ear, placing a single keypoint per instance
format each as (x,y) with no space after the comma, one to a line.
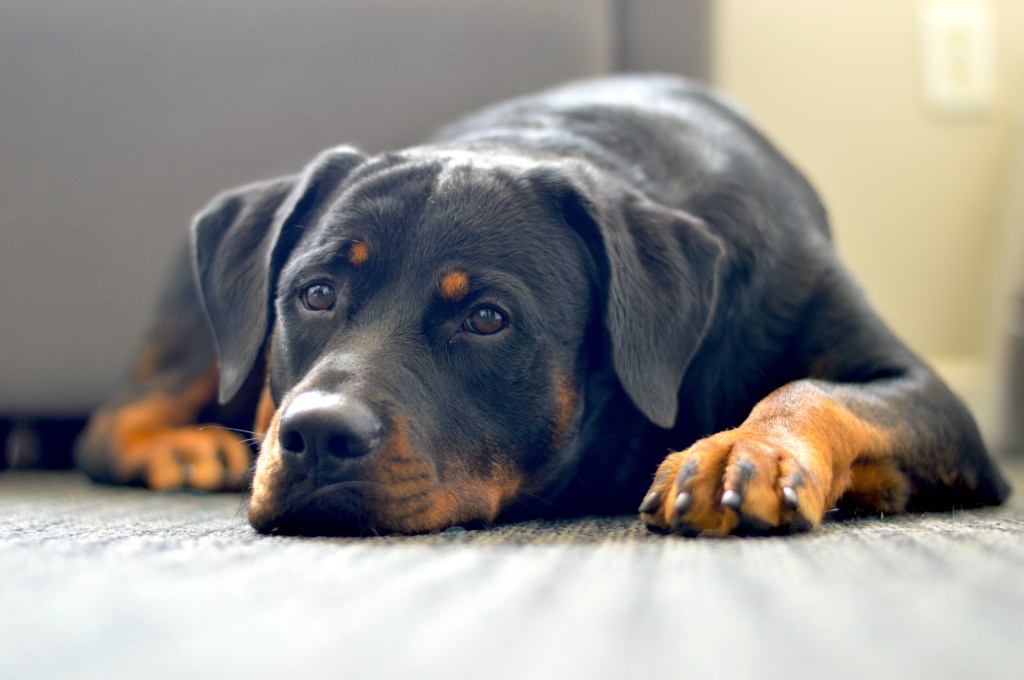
(239,243)
(658,269)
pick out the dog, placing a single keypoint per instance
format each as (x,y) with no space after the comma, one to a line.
(610,293)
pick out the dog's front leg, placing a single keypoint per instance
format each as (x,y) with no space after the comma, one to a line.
(813,444)
(149,433)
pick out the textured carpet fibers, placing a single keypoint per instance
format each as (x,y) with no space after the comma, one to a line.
(110,583)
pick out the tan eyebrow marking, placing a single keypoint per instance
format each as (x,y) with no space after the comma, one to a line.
(358,252)
(454,285)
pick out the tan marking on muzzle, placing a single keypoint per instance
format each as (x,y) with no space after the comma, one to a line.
(268,469)
(265,409)
(566,401)
(407,496)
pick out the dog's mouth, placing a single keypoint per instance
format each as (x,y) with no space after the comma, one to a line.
(334,510)
(354,489)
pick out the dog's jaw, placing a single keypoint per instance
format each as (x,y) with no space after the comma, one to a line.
(400,491)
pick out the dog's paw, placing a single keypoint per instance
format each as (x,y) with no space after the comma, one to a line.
(195,457)
(736,482)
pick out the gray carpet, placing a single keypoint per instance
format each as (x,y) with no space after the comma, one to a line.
(115,583)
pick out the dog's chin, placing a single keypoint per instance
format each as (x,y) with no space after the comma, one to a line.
(341,511)
(292,504)
(286,503)
(398,490)
(334,510)
(353,509)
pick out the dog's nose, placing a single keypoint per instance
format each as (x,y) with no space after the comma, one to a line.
(321,424)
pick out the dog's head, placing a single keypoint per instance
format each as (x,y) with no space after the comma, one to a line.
(429,319)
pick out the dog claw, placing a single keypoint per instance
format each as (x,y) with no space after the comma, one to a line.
(732,499)
(800,524)
(790,498)
(681,528)
(683,502)
(650,503)
(754,526)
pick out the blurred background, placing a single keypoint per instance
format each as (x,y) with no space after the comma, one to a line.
(120,118)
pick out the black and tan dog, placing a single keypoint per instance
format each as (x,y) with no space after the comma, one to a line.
(523,318)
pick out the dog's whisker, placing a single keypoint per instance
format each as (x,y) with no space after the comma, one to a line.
(544,501)
(232,429)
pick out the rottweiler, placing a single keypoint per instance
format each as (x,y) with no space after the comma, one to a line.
(610,293)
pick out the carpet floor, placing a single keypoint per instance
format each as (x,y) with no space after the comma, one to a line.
(99,582)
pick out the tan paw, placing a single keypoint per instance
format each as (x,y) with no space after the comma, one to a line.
(737,482)
(196,457)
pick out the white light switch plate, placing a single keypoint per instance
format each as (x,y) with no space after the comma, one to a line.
(957,57)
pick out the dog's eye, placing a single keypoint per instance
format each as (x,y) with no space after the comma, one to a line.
(318,297)
(485,321)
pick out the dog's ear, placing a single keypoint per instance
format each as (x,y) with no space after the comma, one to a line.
(240,241)
(658,271)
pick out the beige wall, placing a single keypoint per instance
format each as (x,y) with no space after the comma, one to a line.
(914,198)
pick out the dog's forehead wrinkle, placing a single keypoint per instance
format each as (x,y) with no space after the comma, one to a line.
(318,246)
(449,203)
